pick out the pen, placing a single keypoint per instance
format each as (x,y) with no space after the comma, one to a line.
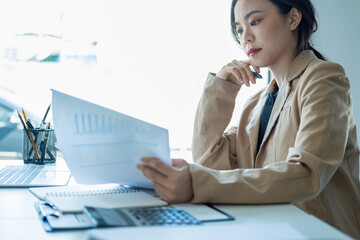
(257,75)
(46,113)
(31,137)
(21,120)
(29,124)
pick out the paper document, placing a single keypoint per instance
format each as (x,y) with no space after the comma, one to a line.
(101,145)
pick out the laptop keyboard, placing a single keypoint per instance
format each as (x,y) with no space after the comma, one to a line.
(19,174)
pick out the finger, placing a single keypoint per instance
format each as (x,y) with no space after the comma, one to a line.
(166,194)
(161,191)
(245,77)
(236,65)
(256,68)
(233,69)
(245,65)
(158,165)
(158,187)
(250,63)
(250,75)
(152,174)
(178,162)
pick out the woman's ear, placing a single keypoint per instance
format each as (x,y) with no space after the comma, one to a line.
(295,17)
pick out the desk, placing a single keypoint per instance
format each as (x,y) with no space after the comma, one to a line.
(19,220)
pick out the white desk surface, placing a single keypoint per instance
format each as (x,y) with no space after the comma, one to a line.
(19,220)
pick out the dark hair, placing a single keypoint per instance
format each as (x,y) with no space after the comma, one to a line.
(306,28)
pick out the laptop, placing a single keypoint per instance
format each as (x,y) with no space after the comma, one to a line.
(29,175)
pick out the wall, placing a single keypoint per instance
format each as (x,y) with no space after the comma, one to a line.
(338,38)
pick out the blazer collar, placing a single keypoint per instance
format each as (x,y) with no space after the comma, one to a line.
(296,68)
(299,64)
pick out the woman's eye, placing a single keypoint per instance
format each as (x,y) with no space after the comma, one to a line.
(256,22)
(239,31)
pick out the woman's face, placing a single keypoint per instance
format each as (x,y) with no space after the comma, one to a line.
(265,35)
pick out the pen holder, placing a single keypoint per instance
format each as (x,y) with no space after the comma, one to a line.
(39,146)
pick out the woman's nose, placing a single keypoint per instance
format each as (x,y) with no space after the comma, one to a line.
(247,36)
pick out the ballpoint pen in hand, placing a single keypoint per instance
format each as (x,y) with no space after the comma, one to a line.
(257,75)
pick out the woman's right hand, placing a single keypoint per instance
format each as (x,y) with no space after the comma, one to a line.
(238,72)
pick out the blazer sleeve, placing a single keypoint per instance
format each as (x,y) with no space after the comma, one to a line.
(212,146)
(318,151)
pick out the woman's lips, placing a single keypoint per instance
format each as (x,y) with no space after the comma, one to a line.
(253,51)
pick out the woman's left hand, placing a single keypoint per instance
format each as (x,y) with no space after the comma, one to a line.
(173,184)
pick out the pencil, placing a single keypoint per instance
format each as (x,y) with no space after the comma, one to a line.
(24,114)
(31,137)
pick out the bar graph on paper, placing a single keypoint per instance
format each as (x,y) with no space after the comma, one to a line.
(94,124)
(105,144)
(119,135)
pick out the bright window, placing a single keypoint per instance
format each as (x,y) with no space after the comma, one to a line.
(147,59)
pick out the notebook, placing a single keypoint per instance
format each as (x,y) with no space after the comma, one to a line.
(72,199)
(32,176)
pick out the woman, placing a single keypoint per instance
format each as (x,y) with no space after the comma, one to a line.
(296,139)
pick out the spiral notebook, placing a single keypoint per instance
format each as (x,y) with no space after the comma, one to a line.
(72,199)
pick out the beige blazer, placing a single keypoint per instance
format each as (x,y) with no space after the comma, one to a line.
(309,155)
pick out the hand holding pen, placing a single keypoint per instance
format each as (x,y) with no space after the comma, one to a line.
(239,72)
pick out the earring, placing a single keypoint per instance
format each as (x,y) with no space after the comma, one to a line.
(292,26)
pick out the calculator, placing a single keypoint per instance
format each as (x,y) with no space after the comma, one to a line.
(154,216)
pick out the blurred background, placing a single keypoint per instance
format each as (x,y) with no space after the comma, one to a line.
(146,59)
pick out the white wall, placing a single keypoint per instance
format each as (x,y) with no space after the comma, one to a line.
(338,38)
